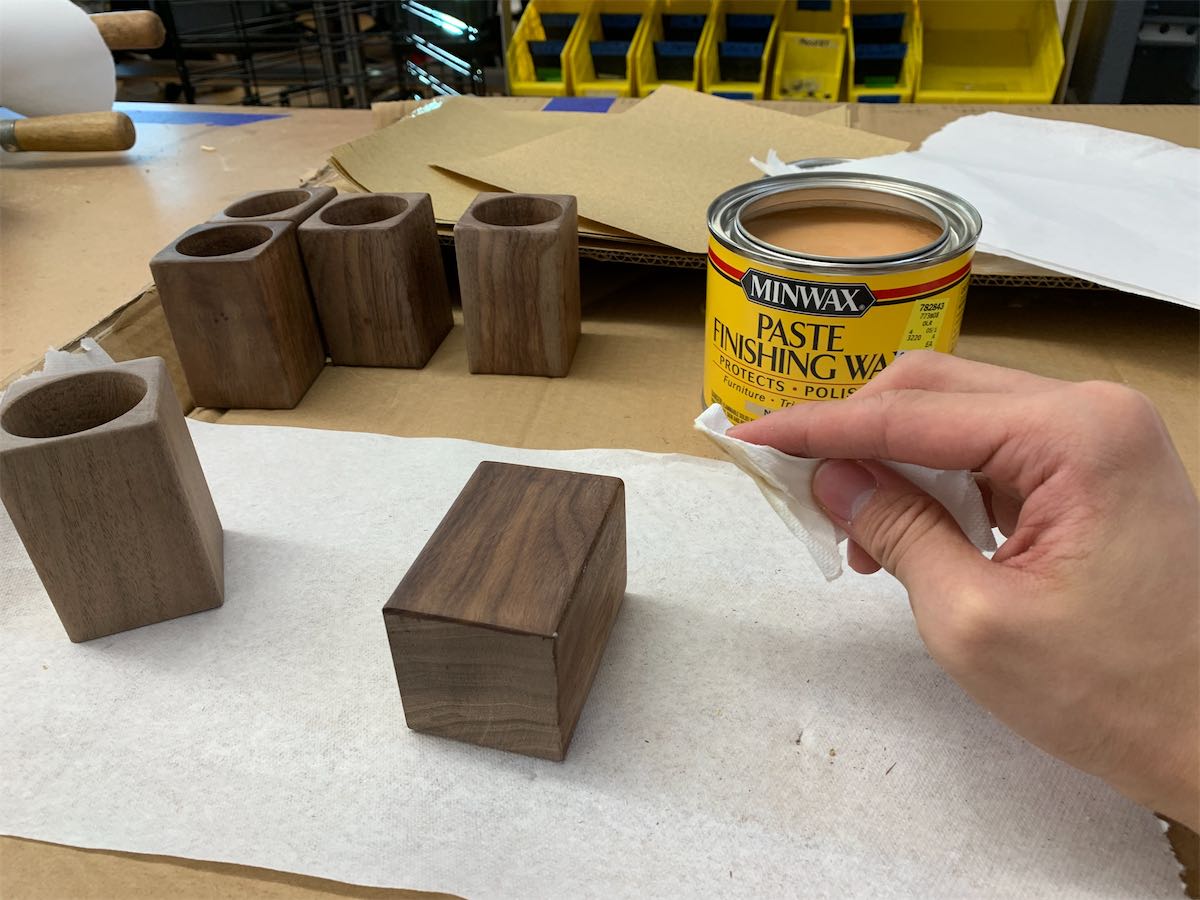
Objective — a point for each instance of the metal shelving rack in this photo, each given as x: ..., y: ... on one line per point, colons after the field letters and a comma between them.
x: 339, y: 53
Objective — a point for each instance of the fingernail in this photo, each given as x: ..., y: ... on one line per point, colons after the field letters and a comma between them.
x: 843, y: 487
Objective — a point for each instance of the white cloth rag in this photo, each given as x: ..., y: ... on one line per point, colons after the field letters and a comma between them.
x: 786, y: 482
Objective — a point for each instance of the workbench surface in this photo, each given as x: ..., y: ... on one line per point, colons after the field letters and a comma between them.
x: 79, y: 231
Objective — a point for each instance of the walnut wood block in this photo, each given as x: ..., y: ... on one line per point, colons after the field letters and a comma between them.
x: 101, y: 479
x: 518, y: 269
x: 498, y: 627
x: 292, y: 205
x: 375, y: 268
x: 237, y: 303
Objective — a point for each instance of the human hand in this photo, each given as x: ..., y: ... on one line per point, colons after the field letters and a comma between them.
x: 1082, y: 633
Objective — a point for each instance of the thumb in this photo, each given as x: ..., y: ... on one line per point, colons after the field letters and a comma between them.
x: 897, y: 524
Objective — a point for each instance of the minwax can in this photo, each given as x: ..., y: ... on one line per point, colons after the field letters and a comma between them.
x: 788, y: 324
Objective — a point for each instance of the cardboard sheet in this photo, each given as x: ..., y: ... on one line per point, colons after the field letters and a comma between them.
x: 400, y: 157
x: 645, y: 171
x: 752, y: 731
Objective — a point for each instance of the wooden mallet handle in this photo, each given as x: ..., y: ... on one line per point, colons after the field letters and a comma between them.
x: 137, y: 30
x: 75, y: 132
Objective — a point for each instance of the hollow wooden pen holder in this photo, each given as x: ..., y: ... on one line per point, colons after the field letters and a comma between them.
x: 518, y: 269
x: 292, y: 205
x: 375, y: 268
x: 237, y: 303
x: 101, y: 479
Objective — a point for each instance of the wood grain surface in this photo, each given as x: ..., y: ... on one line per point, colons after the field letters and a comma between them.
x: 375, y: 267
x: 292, y: 205
x: 101, y: 479
x: 499, y: 625
x: 237, y: 303
x: 75, y: 132
x: 518, y: 271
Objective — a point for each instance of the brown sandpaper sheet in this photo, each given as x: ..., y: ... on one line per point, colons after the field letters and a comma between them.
x: 400, y: 157
x: 648, y: 172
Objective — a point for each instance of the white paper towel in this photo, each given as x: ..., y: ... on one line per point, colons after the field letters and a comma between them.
x: 1116, y: 208
x: 786, y: 482
x: 53, y: 59
x: 737, y: 741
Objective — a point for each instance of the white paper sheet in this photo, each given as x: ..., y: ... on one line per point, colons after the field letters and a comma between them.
x: 752, y: 730
x: 1116, y: 208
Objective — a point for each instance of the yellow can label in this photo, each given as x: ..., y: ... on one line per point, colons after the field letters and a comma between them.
x: 776, y: 337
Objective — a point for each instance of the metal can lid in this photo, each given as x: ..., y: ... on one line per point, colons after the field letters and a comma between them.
x: 958, y: 221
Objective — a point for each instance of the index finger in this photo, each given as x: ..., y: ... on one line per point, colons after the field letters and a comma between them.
x: 931, y: 370
x: 928, y: 428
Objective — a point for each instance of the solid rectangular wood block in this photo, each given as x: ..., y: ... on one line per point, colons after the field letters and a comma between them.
x: 375, y: 267
x: 236, y: 300
x: 292, y: 205
x: 101, y: 479
x: 518, y: 271
x: 498, y: 627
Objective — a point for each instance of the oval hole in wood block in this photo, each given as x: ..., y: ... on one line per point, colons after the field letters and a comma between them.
x: 363, y: 210
x: 267, y: 204
x: 291, y: 205
x: 72, y: 405
x: 517, y: 212
x: 223, y: 241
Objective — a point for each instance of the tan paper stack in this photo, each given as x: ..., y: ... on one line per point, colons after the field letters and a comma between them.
x: 643, y: 177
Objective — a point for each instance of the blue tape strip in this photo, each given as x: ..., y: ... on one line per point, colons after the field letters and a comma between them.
x: 734, y: 95
x: 177, y: 116
x: 579, y: 104
x: 879, y: 98
x: 195, y: 117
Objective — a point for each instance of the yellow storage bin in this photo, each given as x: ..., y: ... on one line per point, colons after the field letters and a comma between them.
x: 532, y: 73
x: 884, y: 49
x: 737, y: 57
x: 989, y: 51
x: 810, y: 51
x: 604, y: 57
x: 673, y: 29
